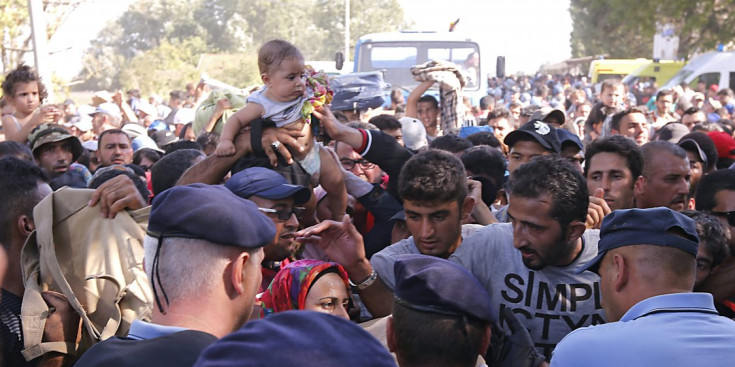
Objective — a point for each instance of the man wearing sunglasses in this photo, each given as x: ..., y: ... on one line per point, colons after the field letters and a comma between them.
x: 279, y: 201
x: 716, y: 195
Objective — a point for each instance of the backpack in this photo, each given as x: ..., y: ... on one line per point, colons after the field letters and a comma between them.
x: 97, y: 263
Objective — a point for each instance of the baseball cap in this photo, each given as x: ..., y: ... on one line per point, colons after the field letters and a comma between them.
x: 107, y: 108
x: 547, y: 113
x: 414, y: 133
x: 134, y: 130
x: 691, y: 145
x: 81, y: 122
x: 698, y: 96
x: 466, y: 131
x: 706, y: 144
x: 211, y: 213
x: 540, y: 131
x: 672, y: 132
x: 147, y: 108
x: 51, y: 133
x: 653, y: 226
x: 164, y: 137
x: 724, y: 143
x: 144, y: 141
x: 309, y: 338
x: 266, y: 183
x: 566, y: 137
x: 91, y: 145
x: 430, y: 284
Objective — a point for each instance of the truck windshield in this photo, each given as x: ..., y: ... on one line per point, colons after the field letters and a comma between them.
x: 396, y: 58
x: 678, y: 78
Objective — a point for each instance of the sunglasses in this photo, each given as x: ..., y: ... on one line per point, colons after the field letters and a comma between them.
x: 285, y: 214
x: 348, y: 164
x: 729, y: 215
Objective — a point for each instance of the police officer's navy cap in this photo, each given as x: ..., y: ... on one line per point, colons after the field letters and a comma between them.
x: 297, y: 338
x: 266, y: 183
x: 655, y: 226
x: 431, y: 284
x: 567, y: 137
x: 540, y: 131
x: 210, y: 213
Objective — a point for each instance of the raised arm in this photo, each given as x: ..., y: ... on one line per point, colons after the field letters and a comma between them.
x: 412, y: 102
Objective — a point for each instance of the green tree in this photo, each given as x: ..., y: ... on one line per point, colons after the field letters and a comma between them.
x: 15, y: 23
x: 151, y: 28
x: 625, y: 28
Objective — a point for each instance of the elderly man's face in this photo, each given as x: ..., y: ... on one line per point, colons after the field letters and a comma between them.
x: 354, y: 163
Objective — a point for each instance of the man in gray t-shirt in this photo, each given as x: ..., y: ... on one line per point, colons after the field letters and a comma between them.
x: 528, y: 264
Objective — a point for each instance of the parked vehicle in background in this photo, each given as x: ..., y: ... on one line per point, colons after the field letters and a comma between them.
x: 658, y: 72
x: 614, y: 68
x: 396, y: 52
x: 711, y: 68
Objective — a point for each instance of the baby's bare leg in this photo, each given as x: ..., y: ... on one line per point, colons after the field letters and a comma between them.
x: 333, y: 182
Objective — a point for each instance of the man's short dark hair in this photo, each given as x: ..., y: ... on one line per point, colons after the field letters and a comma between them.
x: 166, y: 172
x: 652, y: 150
x: 177, y: 94
x: 14, y: 149
x: 433, y: 177
x: 618, y: 144
x: 385, y: 122
x: 664, y: 93
x: 206, y: 139
x: 108, y: 174
x: 500, y: 112
x: 18, y: 183
x: 558, y: 178
x: 430, y: 99
x: 181, y: 145
x: 486, y: 102
x: 424, y: 338
x: 726, y: 92
x: 690, y: 111
x: 484, y: 138
x: 451, y: 143
x: 615, y: 122
x: 710, y: 185
x: 712, y: 235
x: 488, y: 163
x: 113, y: 131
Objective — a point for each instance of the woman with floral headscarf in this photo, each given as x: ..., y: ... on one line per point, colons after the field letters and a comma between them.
x: 313, y: 285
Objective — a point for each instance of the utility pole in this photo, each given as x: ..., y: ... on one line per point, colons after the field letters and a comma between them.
x: 347, y: 30
x: 40, y: 49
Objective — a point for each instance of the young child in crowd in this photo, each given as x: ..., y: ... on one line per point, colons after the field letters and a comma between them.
x: 23, y: 90
x: 291, y: 93
x: 612, y: 96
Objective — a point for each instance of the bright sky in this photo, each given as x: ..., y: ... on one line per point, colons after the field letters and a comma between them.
x: 528, y: 33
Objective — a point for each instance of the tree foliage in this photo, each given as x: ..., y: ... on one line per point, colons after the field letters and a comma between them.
x: 625, y: 28
x: 143, y: 42
x: 15, y: 23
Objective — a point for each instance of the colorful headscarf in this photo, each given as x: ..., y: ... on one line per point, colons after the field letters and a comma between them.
x: 289, y: 288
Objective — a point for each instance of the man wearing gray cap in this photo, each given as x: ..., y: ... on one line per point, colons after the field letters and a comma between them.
x: 202, y: 256
x: 646, y: 262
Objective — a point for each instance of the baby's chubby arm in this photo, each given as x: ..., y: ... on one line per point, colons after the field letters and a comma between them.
x: 234, y: 124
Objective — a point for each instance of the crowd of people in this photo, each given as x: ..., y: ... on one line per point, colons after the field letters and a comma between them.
x: 555, y: 222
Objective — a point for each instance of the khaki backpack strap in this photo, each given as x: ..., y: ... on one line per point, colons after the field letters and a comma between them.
x: 45, y: 237
x: 35, y: 311
x: 114, y: 322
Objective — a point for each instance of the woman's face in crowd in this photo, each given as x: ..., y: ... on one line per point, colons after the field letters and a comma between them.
x: 328, y: 295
